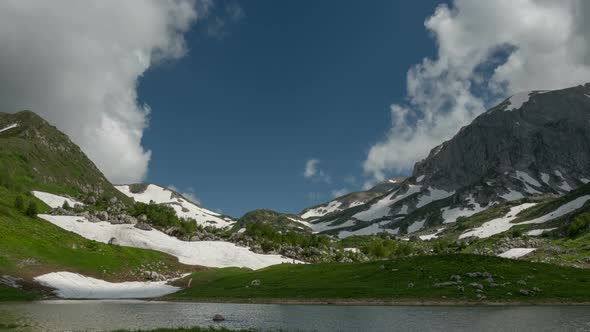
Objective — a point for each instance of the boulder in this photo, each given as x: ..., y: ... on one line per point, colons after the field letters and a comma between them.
x: 102, y: 215
x: 218, y: 318
x: 256, y: 282
x: 143, y: 226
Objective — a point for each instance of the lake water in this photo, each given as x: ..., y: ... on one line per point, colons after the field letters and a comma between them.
x: 110, y: 315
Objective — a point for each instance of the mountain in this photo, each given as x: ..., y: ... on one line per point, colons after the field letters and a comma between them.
x: 532, y: 144
x: 184, y: 208
x: 35, y: 155
x: 350, y: 200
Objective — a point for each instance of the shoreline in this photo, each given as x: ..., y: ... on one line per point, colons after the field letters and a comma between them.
x: 380, y: 302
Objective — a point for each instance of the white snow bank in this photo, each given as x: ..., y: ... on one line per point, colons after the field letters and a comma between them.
x: 381, y: 208
x: 14, y: 125
x: 431, y: 236
x: 183, y: 208
x: 561, y: 211
x: 518, y: 100
x: 75, y: 286
x: 205, y: 253
x: 512, y: 195
x: 433, y: 195
x: 498, y: 225
x: 369, y: 230
x: 326, y: 226
x: 517, y: 252
x: 323, y: 210
x: 528, y: 182
x: 416, y: 226
x: 53, y: 200
x: 503, y: 224
x: 450, y: 215
x: 537, y: 232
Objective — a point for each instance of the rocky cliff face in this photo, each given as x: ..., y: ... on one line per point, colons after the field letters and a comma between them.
x: 545, y: 135
x: 533, y: 143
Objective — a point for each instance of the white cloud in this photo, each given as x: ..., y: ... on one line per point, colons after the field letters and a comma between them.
x: 311, y: 168
x: 546, y: 45
x: 77, y: 64
x: 340, y: 192
x: 313, y: 172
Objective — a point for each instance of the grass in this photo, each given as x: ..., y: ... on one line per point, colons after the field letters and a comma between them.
x: 189, y: 329
x: 389, y: 280
x: 8, y: 294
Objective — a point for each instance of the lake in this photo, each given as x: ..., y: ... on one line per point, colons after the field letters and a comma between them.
x: 109, y: 315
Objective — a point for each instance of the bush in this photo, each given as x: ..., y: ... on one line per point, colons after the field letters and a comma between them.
x: 517, y: 233
x: 31, y: 209
x: 19, y: 203
x: 66, y: 205
x: 579, y: 225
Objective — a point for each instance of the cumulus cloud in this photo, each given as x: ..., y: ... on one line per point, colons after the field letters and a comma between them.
x: 313, y: 172
x: 77, y: 64
x: 487, y: 50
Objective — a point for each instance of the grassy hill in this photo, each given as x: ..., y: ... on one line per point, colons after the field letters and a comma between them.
x: 37, y: 156
x: 399, y: 280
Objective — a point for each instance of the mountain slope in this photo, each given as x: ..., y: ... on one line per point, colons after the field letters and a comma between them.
x: 350, y: 200
x: 532, y: 144
x: 37, y: 156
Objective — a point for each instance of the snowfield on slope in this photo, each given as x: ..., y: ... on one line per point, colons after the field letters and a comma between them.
x: 75, y: 286
x: 381, y: 208
x: 517, y: 252
x: 498, y: 225
x: 54, y: 201
x: 503, y: 224
x: 204, y: 253
x: 183, y: 207
x: 369, y: 230
x: 323, y: 210
x: 14, y: 125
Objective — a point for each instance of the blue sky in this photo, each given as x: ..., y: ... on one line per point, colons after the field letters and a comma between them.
x: 236, y: 119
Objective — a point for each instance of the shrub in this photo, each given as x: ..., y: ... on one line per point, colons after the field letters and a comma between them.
x: 579, y: 225
x: 19, y: 203
x: 31, y: 209
x: 517, y: 233
x: 66, y: 205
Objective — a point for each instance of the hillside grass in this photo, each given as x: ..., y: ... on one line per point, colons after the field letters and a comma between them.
x: 389, y: 281
x: 30, y: 246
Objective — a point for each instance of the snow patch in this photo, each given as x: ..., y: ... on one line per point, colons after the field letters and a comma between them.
x: 381, y: 208
x: 326, y: 226
x: 431, y: 236
x: 545, y: 177
x: 561, y: 211
x: 420, y: 178
x: 369, y: 230
x: 517, y: 252
x: 183, y: 208
x: 205, y: 253
x: 416, y: 226
x: 518, y: 100
x: 537, y: 232
x: 54, y: 201
x: 498, y: 225
x: 512, y: 195
x: 75, y: 286
x: 450, y: 215
x: 433, y: 195
x: 564, y: 185
x: 321, y: 211
x: 528, y: 181
x: 14, y: 125
x: 584, y: 180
